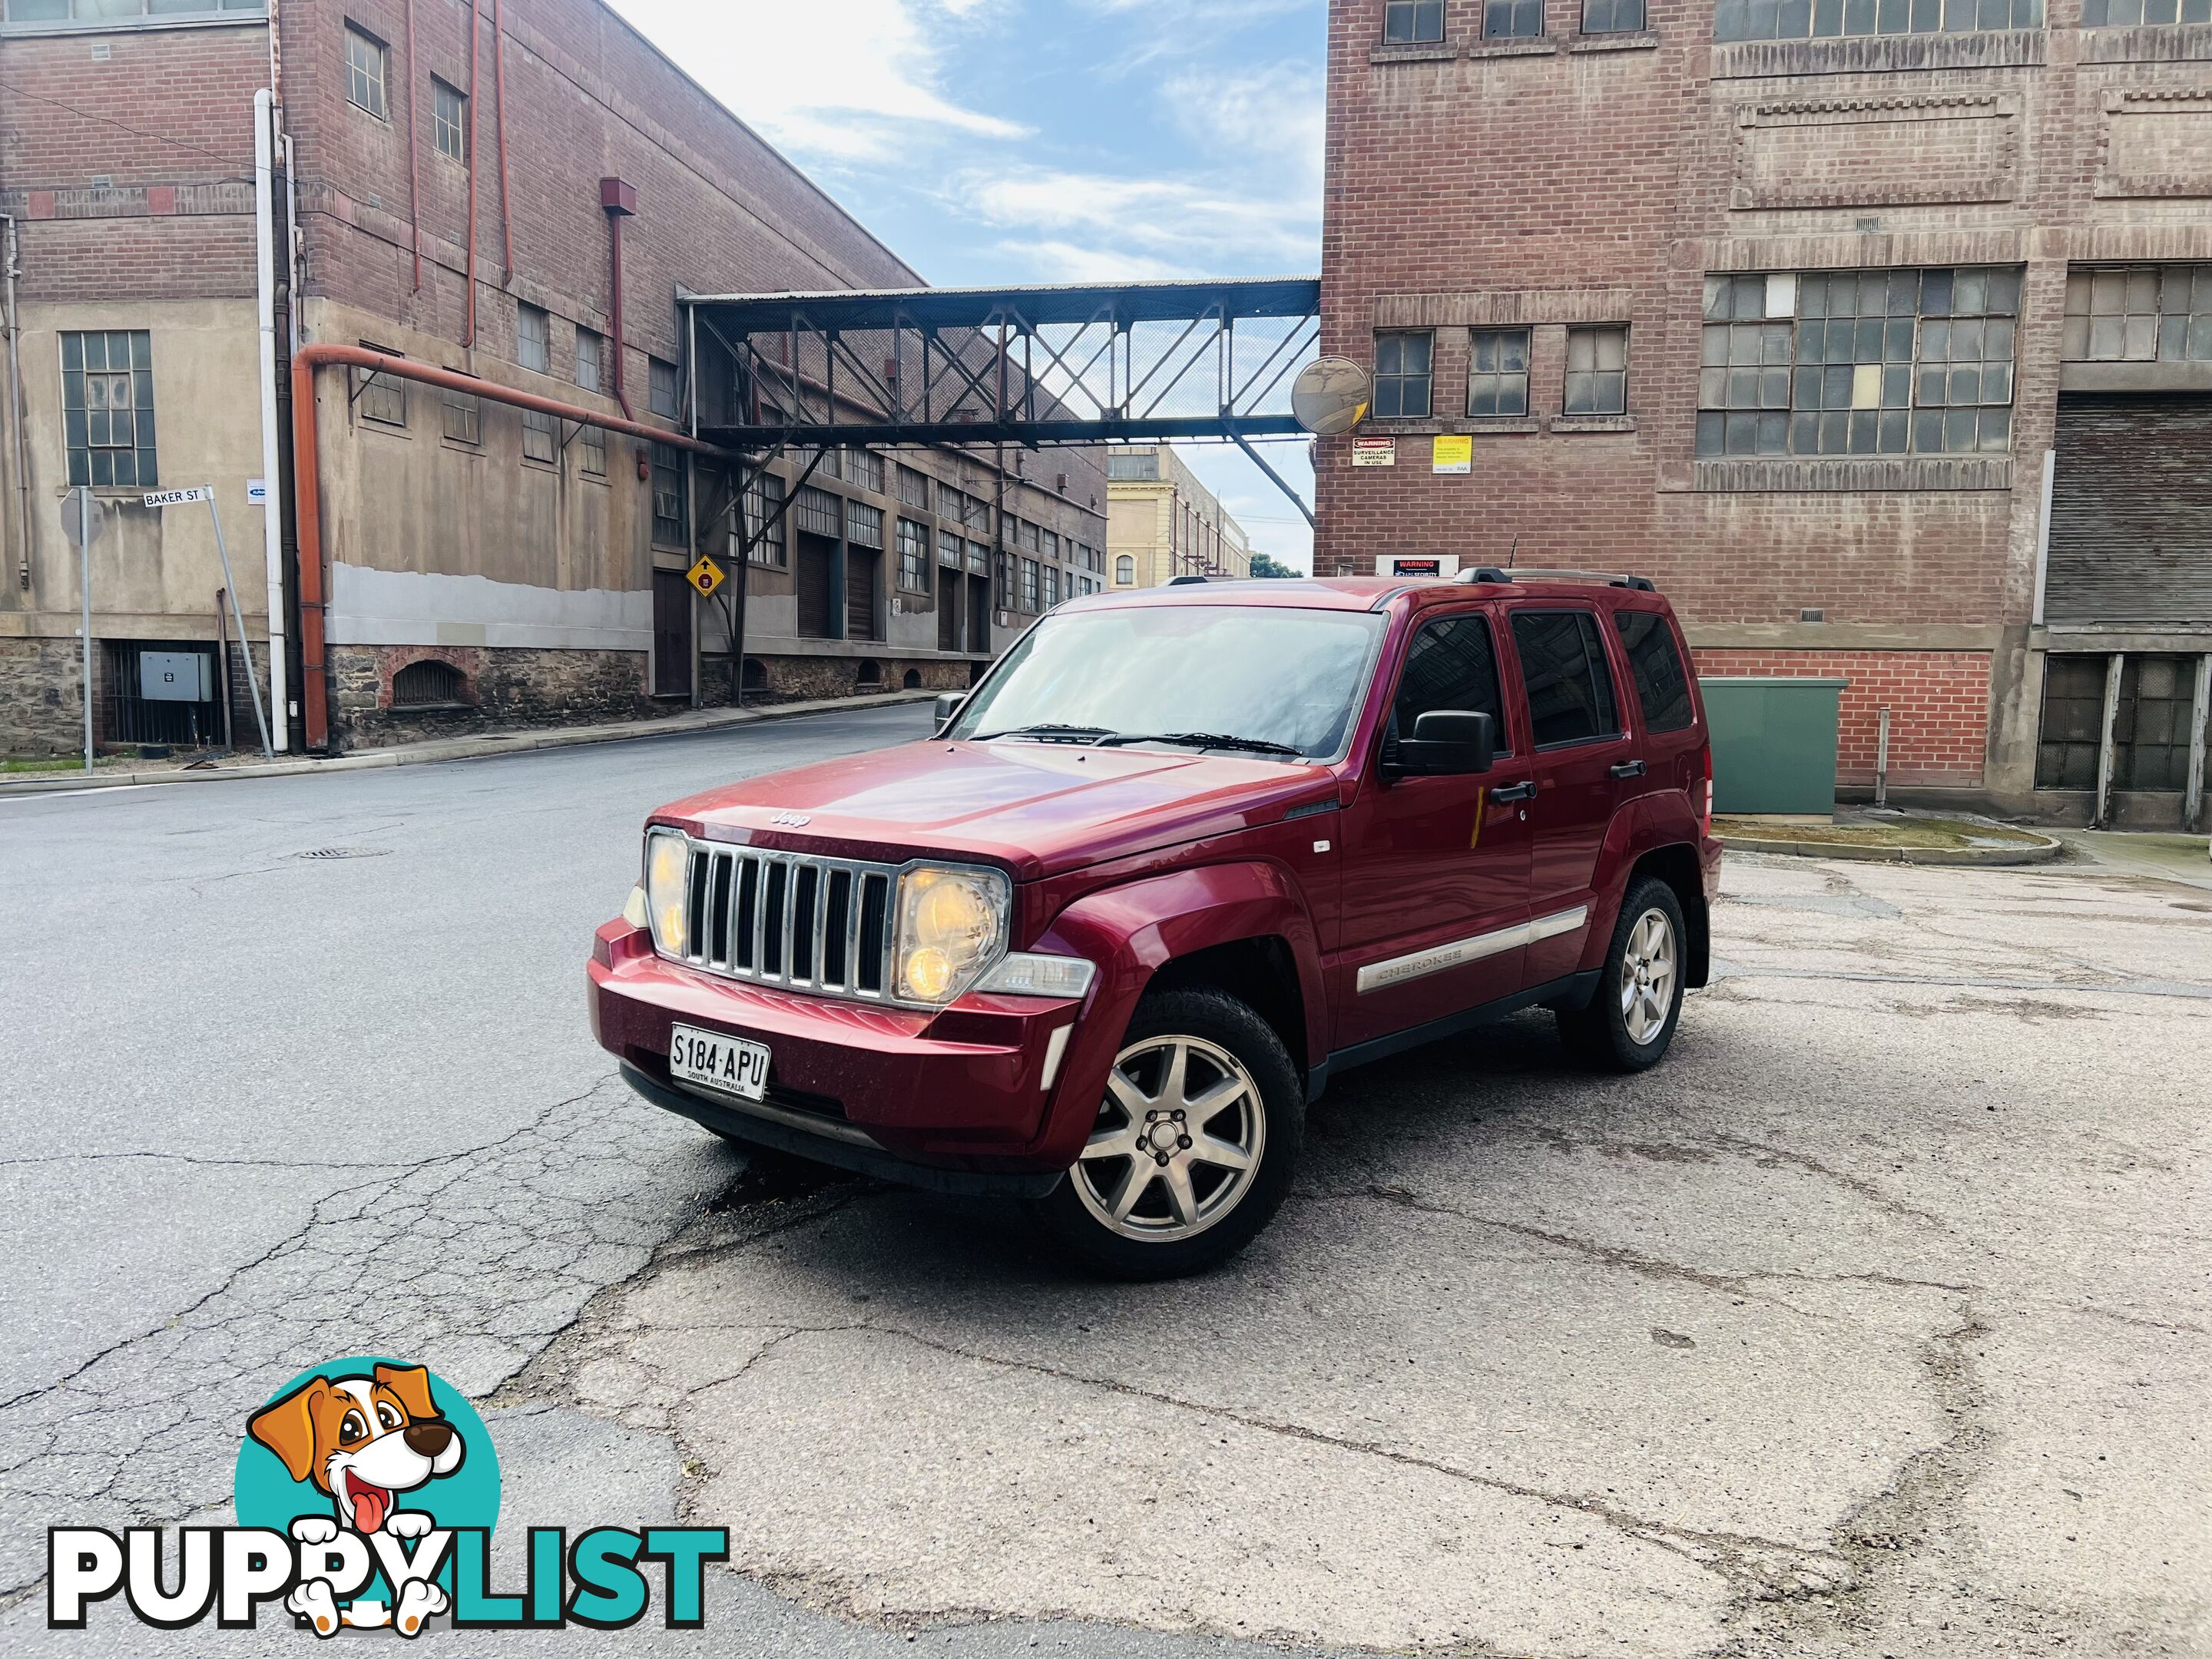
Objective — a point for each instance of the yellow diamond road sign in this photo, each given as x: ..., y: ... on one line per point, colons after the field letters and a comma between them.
x: 706, y: 576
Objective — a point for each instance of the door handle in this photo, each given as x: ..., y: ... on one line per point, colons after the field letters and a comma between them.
x: 1507, y: 795
x: 1629, y: 770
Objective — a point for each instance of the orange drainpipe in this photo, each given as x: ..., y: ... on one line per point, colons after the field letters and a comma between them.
x: 476, y: 44
x: 414, y: 181
x: 307, y: 481
x: 499, y: 121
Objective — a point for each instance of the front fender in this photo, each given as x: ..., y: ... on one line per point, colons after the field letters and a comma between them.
x: 1133, y: 931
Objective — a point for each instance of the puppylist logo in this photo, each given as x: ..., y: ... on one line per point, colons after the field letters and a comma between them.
x: 365, y: 1494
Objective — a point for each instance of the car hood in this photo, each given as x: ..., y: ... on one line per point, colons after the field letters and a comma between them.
x: 1035, y: 808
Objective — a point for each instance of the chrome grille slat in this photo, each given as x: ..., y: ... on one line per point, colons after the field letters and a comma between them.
x: 789, y: 919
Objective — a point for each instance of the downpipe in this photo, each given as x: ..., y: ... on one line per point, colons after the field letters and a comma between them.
x: 273, y: 527
x: 10, y: 263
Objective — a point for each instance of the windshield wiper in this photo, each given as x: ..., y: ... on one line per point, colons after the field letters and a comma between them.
x: 1203, y: 740
x: 1050, y: 733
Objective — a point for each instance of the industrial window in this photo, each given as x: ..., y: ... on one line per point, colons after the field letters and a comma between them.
x: 865, y: 468
x: 1498, y: 372
x: 366, y: 61
x: 2150, y: 735
x: 2140, y: 314
x: 671, y: 518
x: 591, y: 361
x: 2073, y: 722
x: 1597, y: 371
x: 1858, y: 362
x: 914, y: 556
x: 2120, y: 13
x: 819, y: 513
x: 764, y: 525
x: 2150, y: 724
x: 1405, y: 21
x: 1569, y: 687
x: 1048, y: 545
x: 1003, y: 583
x: 449, y: 120
x: 592, y: 444
x: 1402, y: 366
x: 383, y: 396
x: 951, y: 551
x: 979, y: 559
x: 1125, y: 570
x: 1031, y: 585
x: 1662, y: 688
x: 1140, y: 466
x: 541, y: 440
x: 1612, y: 17
x: 430, y: 684
x: 864, y: 525
x: 914, y: 489
x: 104, y: 11
x: 464, y: 418
x: 1505, y: 19
x: 1025, y: 536
x: 1815, y: 20
x: 666, y: 389
x: 533, y: 337
x: 1051, y: 585
x: 107, y: 407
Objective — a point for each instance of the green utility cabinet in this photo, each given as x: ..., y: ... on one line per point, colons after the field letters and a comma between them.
x: 1774, y: 744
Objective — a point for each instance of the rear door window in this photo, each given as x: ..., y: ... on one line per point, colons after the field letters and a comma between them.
x: 1453, y: 664
x: 1662, y: 687
x: 1570, y: 696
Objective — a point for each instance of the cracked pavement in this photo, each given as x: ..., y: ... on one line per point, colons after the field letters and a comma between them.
x: 1874, y: 1323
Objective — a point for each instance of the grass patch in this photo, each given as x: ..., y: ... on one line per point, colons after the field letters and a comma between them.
x: 74, y: 763
x: 1905, y: 833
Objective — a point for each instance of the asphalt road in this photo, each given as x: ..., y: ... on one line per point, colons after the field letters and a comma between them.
x: 1874, y: 1323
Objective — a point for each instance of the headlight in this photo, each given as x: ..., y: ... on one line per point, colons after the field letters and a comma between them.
x: 667, y: 871
x: 951, y: 924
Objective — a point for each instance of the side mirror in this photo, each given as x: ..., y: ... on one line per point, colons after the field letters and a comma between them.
x: 1449, y: 742
x: 949, y: 706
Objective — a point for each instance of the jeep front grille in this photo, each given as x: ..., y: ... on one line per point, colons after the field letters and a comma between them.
x: 784, y: 919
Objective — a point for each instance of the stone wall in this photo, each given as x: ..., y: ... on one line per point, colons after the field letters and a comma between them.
x: 42, y: 697
x: 805, y: 679
x: 500, y: 689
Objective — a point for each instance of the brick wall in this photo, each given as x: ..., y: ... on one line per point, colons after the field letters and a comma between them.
x: 166, y: 119
x: 1939, y: 704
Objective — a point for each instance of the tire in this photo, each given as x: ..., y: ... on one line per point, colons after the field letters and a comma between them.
x: 1629, y: 1023
x: 1193, y: 1206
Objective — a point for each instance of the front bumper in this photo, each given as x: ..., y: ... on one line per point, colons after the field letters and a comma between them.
x: 956, y: 1099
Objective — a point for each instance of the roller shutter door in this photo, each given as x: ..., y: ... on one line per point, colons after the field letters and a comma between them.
x: 2131, y: 511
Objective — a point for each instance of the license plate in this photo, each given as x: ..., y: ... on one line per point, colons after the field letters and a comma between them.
x: 730, y: 1064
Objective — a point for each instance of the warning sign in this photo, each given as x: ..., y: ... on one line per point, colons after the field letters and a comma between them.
x: 1455, y: 454
x: 1375, y: 451
x: 706, y: 576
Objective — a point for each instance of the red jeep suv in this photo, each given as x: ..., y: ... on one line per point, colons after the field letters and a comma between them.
x: 1183, y: 857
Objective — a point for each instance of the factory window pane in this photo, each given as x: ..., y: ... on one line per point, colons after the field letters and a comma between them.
x: 1597, y: 371
x: 1403, y: 367
x: 591, y: 361
x: 463, y: 416
x: 1612, y: 17
x: 1498, y: 372
x: 366, y: 59
x: 1827, y: 20
x: 1506, y: 19
x: 107, y: 408
x: 541, y: 438
x: 449, y: 120
x: 667, y: 390
x: 671, y: 516
x: 2139, y: 313
x: 533, y: 337
x: 1405, y: 21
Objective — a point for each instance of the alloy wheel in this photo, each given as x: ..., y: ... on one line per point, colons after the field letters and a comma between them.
x: 1648, y: 970
x: 1177, y: 1143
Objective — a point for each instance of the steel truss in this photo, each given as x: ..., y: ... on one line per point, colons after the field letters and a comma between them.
x: 1076, y: 365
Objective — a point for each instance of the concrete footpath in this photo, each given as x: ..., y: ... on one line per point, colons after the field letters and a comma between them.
x: 451, y: 749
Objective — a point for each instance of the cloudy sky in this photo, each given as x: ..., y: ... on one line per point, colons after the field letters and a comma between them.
x: 1047, y: 140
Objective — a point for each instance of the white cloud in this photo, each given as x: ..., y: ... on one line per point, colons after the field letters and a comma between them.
x: 1186, y: 224
x: 848, y: 81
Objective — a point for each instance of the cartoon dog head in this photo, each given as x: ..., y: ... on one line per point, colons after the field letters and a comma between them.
x: 361, y: 1440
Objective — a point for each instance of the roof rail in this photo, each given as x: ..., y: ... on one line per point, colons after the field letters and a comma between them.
x: 1186, y: 582
x: 1487, y: 573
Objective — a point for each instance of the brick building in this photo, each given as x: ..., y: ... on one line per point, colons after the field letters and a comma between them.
x: 1878, y: 331
x: 1163, y: 523
x: 438, y: 190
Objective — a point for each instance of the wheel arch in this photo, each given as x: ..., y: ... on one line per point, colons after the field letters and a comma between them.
x: 1678, y: 866
x: 1244, y: 927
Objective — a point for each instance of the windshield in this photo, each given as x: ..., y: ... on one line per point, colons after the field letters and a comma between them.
x: 1255, y: 673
